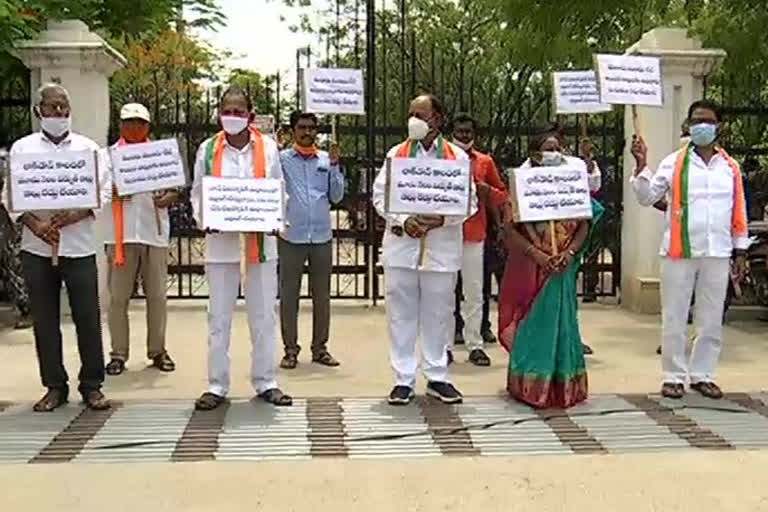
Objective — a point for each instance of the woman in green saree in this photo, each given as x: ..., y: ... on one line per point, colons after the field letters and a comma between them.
x: 537, y: 304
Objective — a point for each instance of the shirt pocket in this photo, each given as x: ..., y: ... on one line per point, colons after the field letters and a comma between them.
x: 318, y: 182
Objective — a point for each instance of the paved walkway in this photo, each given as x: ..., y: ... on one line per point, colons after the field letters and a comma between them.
x: 170, y: 430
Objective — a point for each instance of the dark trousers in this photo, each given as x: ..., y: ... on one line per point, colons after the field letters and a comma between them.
x: 44, y: 282
x: 292, y: 259
x: 491, y: 268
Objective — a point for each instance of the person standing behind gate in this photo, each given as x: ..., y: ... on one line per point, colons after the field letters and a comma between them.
x: 491, y: 193
x: 239, y: 151
x: 421, y: 257
x: 697, y: 247
x: 137, y: 234
x: 71, y: 231
x: 313, y: 182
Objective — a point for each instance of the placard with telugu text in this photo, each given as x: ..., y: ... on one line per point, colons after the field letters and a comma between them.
x: 550, y: 193
x: 147, y: 167
x: 243, y: 205
x: 428, y: 186
x: 629, y: 80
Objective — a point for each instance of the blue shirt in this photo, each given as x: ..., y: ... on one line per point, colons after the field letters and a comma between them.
x: 312, y: 184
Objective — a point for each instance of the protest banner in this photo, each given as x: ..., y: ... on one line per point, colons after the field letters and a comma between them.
x: 243, y: 205
x: 547, y: 194
x: 333, y: 91
x: 147, y: 167
x: 46, y: 183
x: 630, y: 80
x: 264, y: 123
x: 62, y: 180
x: 428, y: 186
x: 576, y: 92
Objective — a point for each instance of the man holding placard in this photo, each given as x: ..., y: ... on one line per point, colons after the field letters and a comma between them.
x: 422, y: 248
x: 53, y: 189
x: 491, y: 193
x: 232, y: 195
x: 314, y: 182
x: 137, y: 232
x: 697, y: 247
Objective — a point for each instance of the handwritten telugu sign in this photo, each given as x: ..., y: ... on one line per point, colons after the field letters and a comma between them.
x: 333, y: 91
x: 550, y: 193
x: 576, y: 92
x: 629, y: 80
x: 426, y: 186
x: 243, y: 205
x: 147, y: 167
x: 64, y: 180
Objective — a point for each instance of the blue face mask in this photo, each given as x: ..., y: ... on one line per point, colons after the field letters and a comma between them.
x: 703, y: 134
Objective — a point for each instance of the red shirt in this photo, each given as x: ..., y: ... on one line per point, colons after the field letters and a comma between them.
x: 485, y: 171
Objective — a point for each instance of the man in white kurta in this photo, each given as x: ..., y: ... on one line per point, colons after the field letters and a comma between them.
x: 420, y: 288
x: 697, y: 257
x: 137, y: 233
x: 223, y: 254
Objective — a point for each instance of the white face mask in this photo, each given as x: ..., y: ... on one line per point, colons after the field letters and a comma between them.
x: 466, y: 146
x: 551, y: 158
x: 56, y: 126
x: 233, y: 124
x: 417, y: 129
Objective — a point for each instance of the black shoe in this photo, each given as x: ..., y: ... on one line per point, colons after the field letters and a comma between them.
x: 488, y: 337
x: 658, y: 350
x: 478, y: 357
x: 401, y: 395
x: 458, y: 338
x: 586, y: 349
x: 445, y: 392
x: 450, y: 358
x: 589, y: 299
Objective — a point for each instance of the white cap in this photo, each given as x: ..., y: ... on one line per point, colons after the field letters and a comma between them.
x: 134, y: 111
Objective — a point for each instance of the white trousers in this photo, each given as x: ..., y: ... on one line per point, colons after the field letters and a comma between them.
x: 419, y: 301
x: 261, y: 303
x: 472, y: 289
x: 709, y: 276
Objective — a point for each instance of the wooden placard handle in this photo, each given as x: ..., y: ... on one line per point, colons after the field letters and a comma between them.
x: 553, y: 240
x: 636, y: 120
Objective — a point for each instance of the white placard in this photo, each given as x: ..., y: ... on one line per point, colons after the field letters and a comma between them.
x: 550, y: 193
x: 264, y: 123
x: 61, y: 180
x: 333, y: 91
x: 243, y: 205
x: 576, y: 92
x: 629, y: 80
x: 427, y: 186
x: 147, y: 167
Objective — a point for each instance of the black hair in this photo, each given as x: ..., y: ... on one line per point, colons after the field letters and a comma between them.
x: 462, y: 118
x: 541, y: 133
x: 706, y: 104
x: 297, y: 115
x: 437, y: 106
x: 236, y: 91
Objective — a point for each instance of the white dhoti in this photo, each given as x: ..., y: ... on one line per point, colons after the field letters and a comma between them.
x: 261, y: 304
x: 709, y: 277
x: 472, y: 289
x: 418, y: 300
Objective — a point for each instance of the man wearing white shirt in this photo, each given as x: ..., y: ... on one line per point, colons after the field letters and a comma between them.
x: 239, y: 151
x: 421, y: 257
x: 71, y: 233
x: 137, y: 234
x: 697, y: 247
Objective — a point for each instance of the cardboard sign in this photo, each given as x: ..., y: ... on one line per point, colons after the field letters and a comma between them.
x: 428, y: 186
x: 61, y: 180
x: 550, y: 193
x: 147, y: 167
x: 629, y: 80
x: 333, y: 91
x: 576, y: 92
x: 243, y: 205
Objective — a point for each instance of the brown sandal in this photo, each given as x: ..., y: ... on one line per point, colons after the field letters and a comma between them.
x: 276, y: 397
x: 96, y: 401
x: 708, y: 389
x: 672, y: 390
x: 289, y: 362
x: 52, y: 400
x: 209, y: 401
x: 325, y: 359
x: 163, y: 362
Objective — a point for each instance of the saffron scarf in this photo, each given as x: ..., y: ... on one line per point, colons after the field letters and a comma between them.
x: 680, y: 240
x: 118, y: 217
x: 214, y: 152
